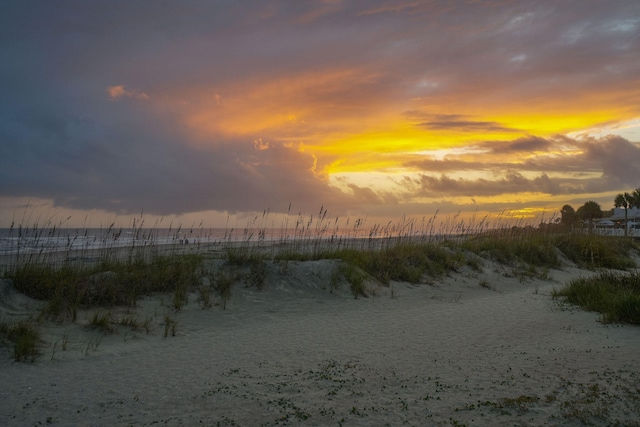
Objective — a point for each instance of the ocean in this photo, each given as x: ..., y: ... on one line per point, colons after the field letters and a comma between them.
x: 23, y: 240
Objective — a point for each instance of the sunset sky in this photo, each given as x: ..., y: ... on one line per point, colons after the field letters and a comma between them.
x: 200, y: 110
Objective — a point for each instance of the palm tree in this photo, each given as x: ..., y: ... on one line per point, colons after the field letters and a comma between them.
x: 589, y: 211
x: 624, y: 201
x: 634, y: 199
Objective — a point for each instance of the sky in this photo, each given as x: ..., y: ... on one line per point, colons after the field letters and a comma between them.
x: 197, y: 111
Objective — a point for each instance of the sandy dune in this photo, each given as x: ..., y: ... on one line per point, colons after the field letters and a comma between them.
x: 451, y: 352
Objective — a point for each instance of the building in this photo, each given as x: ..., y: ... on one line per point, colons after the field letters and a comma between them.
x: 633, y: 218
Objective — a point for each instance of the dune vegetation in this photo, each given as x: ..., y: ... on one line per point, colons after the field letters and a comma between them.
x: 116, y: 276
x: 616, y: 296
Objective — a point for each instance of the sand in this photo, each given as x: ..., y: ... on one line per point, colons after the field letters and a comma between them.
x: 473, y: 348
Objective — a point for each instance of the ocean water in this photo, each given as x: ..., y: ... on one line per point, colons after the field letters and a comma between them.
x: 40, y: 240
x: 34, y: 240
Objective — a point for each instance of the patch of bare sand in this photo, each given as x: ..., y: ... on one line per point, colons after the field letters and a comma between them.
x: 474, y: 348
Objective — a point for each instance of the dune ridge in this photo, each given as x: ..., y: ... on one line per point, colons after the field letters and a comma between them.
x: 471, y: 348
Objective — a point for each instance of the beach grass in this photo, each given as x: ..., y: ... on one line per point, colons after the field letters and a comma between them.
x: 102, y: 322
x: 406, y: 251
x: 356, y: 278
x: 224, y: 282
x: 403, y: 251
x: 108, y: 283
x: 24, y: 337
x: 170, y: 325
x: 595, y: 251
x: 616, y: 295
x: 515, y: 246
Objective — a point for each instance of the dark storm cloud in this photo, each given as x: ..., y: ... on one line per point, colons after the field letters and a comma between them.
x: 141, y: 163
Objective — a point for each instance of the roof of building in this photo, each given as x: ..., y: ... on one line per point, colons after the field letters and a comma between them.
x: 618, y: 214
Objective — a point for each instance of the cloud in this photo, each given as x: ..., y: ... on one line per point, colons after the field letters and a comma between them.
x: 146, y: 163
x: 511, y: 183
x: 618, y: 159
x: 245, y: 102
x: 553, y: 166
x: 462, y: 123
x: 259, y: 144
x: 529, y: 144
x: 119, y: 91
x: 448, y: 165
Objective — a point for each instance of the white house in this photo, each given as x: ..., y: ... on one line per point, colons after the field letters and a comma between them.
x: 633, y: 217
x: 618, y: 214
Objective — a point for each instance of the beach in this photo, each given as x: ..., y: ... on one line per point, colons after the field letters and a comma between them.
x: 471, y: 348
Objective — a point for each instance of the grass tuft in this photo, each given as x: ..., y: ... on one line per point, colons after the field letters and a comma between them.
x: 613, y: 294
x: 356, y: 277
x: 25, y: 337
x: 102, y: 322
x: 170, y: 326
x: 223, y: 284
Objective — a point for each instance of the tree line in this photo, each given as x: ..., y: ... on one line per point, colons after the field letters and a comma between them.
x: 591, y: 210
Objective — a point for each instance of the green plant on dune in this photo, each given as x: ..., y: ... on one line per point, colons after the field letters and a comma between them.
x: 257, y: 272
x: 510, y: 247
x: 615, y: 295
x: 223, y: 284
x: 102, y: 322
x: 66, y: 288
x: 25, y: 337
x: 129, y: 320
x: 404, y: 262
x: 170, y: 326
x: 356, y: 277
x: 594, y: 251
x: 404, y: 251
x: 204, y: 295
x: 334, y: 279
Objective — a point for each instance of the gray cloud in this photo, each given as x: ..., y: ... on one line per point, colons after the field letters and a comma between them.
x: 143, y: 164
x: 618, y: 158
x: 466, y: 126
x: 595, y: 165
x: 459, y: 123
x: 510, y: 183
x: 611, y: 155
x: 521, y: 145
x: 452, y: 165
